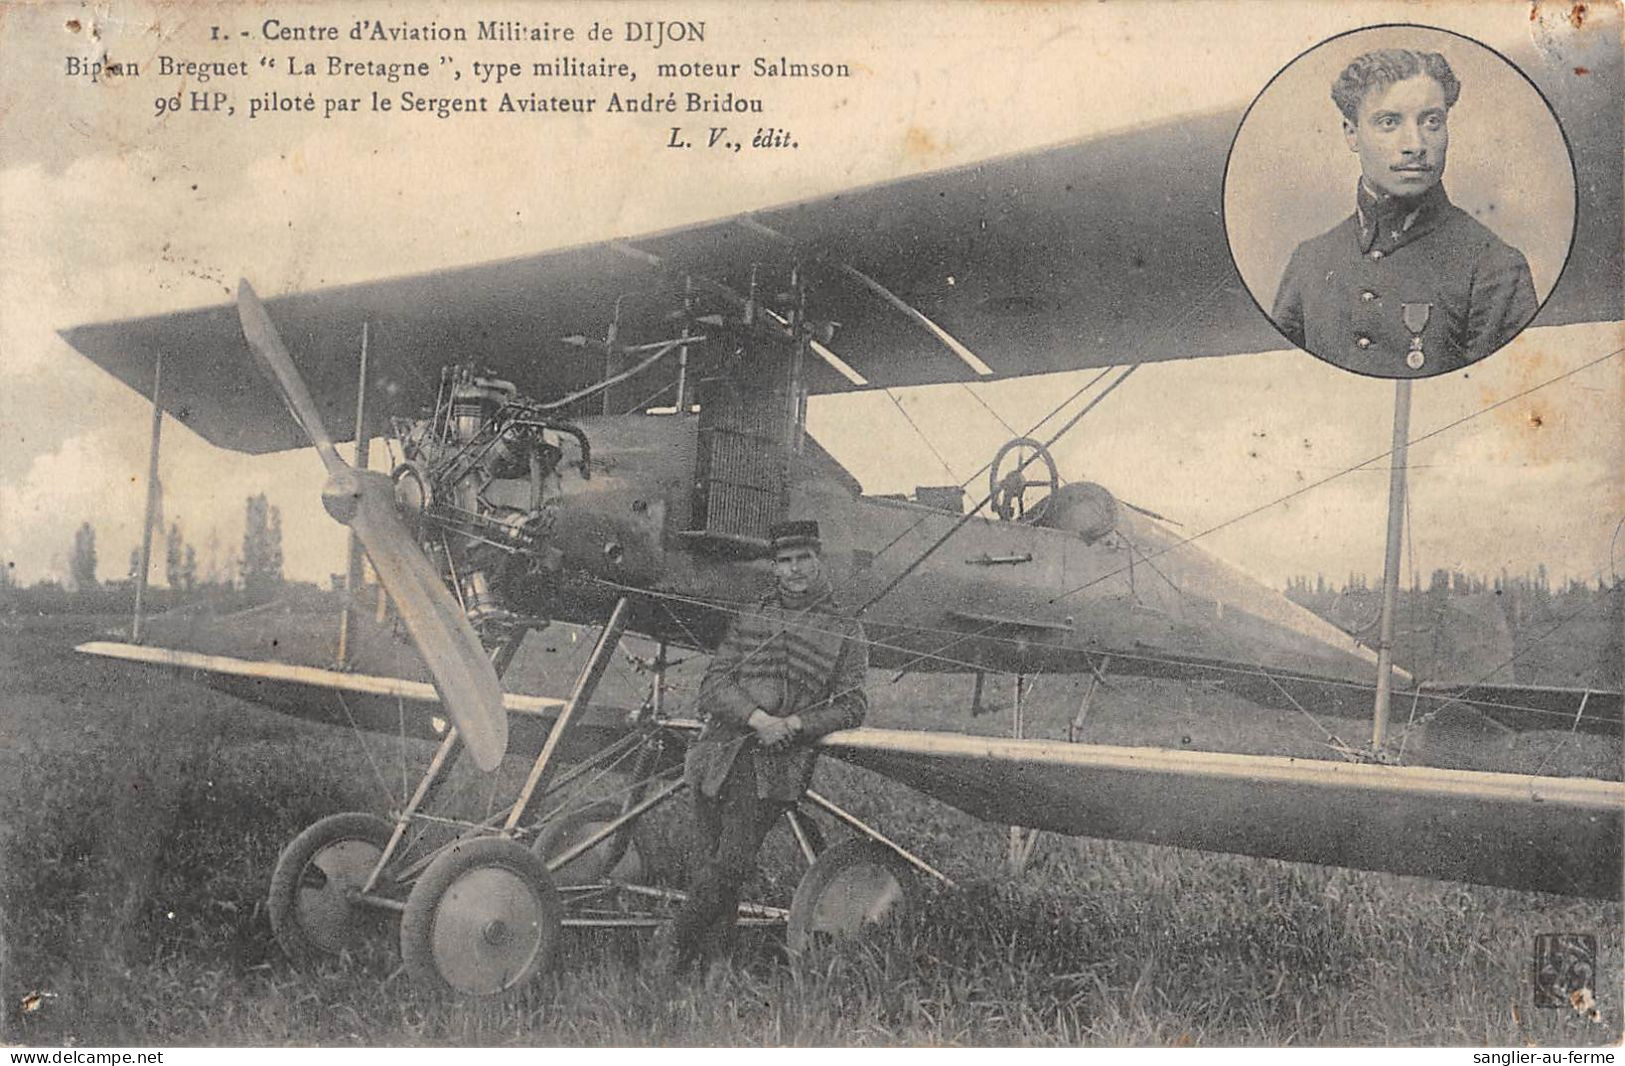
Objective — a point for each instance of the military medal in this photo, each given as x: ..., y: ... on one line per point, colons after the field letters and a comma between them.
x: 1416, y: 320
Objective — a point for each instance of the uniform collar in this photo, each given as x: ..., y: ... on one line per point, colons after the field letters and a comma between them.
x: 1388, y: 221
x: 819, y: 594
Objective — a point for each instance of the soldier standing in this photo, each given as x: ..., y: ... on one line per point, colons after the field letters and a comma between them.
x: 786, y: 674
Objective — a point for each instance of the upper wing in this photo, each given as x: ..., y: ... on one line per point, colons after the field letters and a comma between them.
x: 1549, y: 834
x: 1106, y: 251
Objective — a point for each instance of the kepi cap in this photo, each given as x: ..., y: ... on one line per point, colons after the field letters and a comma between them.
x: 802, y: 533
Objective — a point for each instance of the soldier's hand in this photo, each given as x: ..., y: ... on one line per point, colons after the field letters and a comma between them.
x: 771, y: 732
x: 792, y: 731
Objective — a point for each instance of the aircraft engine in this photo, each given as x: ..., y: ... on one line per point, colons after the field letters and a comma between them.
x: 480, y: 479
x: 1083, y: 507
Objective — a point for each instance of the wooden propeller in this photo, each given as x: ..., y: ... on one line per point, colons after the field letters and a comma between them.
x: 364, y: 500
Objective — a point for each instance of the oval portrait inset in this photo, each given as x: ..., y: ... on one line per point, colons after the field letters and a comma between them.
x: 1399, y: 201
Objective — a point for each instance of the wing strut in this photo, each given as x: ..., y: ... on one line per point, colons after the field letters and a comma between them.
x: 949, y: 341
x: 353, y: 572
x: 152, y: 497
x: 1390, y: 563
x: 836, y: 363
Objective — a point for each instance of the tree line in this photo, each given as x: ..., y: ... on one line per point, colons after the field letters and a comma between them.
x: 254, y: 571
x: 1538, y: 582
x: 1524, y: 628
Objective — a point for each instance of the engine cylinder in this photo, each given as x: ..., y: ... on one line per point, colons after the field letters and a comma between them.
x: 478, y: 599
x: 474, y: 402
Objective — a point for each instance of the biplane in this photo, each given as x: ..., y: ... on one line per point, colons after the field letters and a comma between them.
x: 602, y: 435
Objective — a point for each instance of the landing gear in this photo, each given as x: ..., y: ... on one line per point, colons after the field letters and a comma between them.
x: 483, y: 897
x: 312, y: 900
x: 854, y: 889
x: 1007, y: 489
x: 483, y: 919
x: 601, y: 861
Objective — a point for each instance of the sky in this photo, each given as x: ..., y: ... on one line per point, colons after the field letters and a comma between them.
x: 109, y: 209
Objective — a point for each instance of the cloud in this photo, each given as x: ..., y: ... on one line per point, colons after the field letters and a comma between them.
x: 100, y: 476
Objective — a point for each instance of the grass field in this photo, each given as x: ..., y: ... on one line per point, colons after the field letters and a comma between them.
x: 142, y: 816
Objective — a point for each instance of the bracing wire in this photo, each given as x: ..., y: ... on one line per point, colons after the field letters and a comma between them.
x: 984, y: 467
x: 1313, y: 485
x: 1215, y: 667
x: 970, y: 513
x: 958, y: 637
x: 920, y: 432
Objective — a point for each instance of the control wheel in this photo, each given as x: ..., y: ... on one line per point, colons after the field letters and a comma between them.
x: 1007, y: 489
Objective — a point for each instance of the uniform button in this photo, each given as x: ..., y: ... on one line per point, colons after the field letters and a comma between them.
x: 1363, y: 342
x: 1368, y: 296
x: 1376, y: 253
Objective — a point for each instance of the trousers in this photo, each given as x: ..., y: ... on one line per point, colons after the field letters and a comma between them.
x: 731, y: 827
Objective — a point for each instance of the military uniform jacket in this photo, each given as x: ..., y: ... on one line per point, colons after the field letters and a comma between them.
x: 807, y: 660
x: 1344, y: 294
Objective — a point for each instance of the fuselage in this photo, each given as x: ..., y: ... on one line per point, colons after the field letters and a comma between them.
x: 993, y: 595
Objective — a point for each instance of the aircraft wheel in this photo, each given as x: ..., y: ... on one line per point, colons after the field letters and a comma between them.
x: 564, y: 832
x: 483, y: 919
x: 311, y: 911
x: 855, y: 887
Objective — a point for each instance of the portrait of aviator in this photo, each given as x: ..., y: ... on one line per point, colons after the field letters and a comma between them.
x: 1408, y: 282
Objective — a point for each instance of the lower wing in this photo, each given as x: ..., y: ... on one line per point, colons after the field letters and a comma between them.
x: 1549, y: 834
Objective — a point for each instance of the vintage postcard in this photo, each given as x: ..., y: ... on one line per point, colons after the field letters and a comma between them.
x: 819, y: 523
